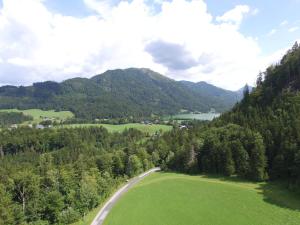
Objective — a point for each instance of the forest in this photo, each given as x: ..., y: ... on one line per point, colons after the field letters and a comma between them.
x: 56, y: 176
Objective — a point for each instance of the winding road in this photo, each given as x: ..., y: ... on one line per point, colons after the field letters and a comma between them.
x: 99, y: 219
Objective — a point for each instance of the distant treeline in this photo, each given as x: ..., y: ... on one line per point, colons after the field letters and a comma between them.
x: 9, y: 118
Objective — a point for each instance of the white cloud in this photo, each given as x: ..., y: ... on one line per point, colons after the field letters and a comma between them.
x: 235, y: 15
x: 284, y: 23
x: 272, y: 32
x: 102, y: 7
x: 293, y: 29
x: 37, y: 44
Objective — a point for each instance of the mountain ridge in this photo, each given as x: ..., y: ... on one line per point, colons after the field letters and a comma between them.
x: 119, y: 93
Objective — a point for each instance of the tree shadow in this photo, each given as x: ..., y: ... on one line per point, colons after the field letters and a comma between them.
x: 279, y: 195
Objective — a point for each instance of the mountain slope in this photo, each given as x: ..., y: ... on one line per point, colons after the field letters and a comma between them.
x: 218, y: 97
x: 273, y: 109
x: 119, y: 93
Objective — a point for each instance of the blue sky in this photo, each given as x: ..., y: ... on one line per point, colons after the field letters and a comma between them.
x: 223, y: 42
x: 271, y: 13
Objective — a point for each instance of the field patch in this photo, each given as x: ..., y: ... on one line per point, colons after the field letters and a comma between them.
x: 151, y: 129
x: 175, y: 199
x: 40, y: 115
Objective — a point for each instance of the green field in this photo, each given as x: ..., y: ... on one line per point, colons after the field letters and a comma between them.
x: 38, y: 114
x: 174, y: 199
x: 151, y: 129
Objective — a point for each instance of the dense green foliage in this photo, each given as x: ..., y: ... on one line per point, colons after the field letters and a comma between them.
x: 145, y: 128
x: 55, y: 176
x: 9, y: 118
x: 228, y: 150
x: 119, y: 94
x: 177, y: 199
x: 273, y: 110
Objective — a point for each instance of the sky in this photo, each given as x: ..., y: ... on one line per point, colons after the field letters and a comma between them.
x: 225, y: 43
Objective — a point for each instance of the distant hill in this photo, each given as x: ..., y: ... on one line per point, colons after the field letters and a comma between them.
x: 240, y: 92
x: 119, y: 93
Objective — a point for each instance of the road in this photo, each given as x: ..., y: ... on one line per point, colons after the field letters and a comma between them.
x: 99, y: 219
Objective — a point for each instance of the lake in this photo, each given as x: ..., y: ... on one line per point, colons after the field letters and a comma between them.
x: 198, y: 116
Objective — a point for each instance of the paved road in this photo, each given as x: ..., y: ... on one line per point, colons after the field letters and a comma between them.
x: 112, y: 201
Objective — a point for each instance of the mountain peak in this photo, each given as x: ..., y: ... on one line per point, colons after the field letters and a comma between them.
x: 131, y: 73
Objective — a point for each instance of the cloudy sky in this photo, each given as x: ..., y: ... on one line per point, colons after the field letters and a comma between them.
x: 225, y: 43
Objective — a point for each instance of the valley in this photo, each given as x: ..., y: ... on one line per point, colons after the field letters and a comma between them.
x: 240, y: 166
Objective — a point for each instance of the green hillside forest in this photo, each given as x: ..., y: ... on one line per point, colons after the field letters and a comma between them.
x: 119, y: 94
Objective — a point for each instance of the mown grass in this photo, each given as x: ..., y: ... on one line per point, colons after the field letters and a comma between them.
x: 176, y: 199
x: 39, y: 114
x: 151, y: 129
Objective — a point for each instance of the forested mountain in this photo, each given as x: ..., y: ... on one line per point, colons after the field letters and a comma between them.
x: 218, y: 97
x: 258, y: 139
x: 273, y: 110
x: 119, y: 93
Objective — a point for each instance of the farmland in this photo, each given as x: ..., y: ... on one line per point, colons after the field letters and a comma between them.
x: 38, y: 114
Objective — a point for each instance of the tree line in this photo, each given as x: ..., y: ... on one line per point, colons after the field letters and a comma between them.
x: 9, y: 118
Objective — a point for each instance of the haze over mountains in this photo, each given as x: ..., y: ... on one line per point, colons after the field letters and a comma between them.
x: 120, y: 93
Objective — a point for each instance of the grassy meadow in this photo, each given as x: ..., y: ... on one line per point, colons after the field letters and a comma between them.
x: 151, y: 129
x: 175, y: 199
x: 39, y: 114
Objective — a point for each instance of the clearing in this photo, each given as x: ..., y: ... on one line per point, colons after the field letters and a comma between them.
x: 151, y: 129
x: 39, y: 115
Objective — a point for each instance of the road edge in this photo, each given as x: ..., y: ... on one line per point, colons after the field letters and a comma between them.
x: 118, y: 193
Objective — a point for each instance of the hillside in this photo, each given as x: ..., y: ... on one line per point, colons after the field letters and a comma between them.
x: 259, y: 139
x: 119, y: 93
x: 273, y: 110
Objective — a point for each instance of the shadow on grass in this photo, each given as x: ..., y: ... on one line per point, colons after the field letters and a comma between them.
x: 278, y: 194
x: 275, y: 193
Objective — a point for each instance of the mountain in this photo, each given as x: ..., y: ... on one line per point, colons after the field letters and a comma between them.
x: 218, y: 97
x: 119, y: 93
